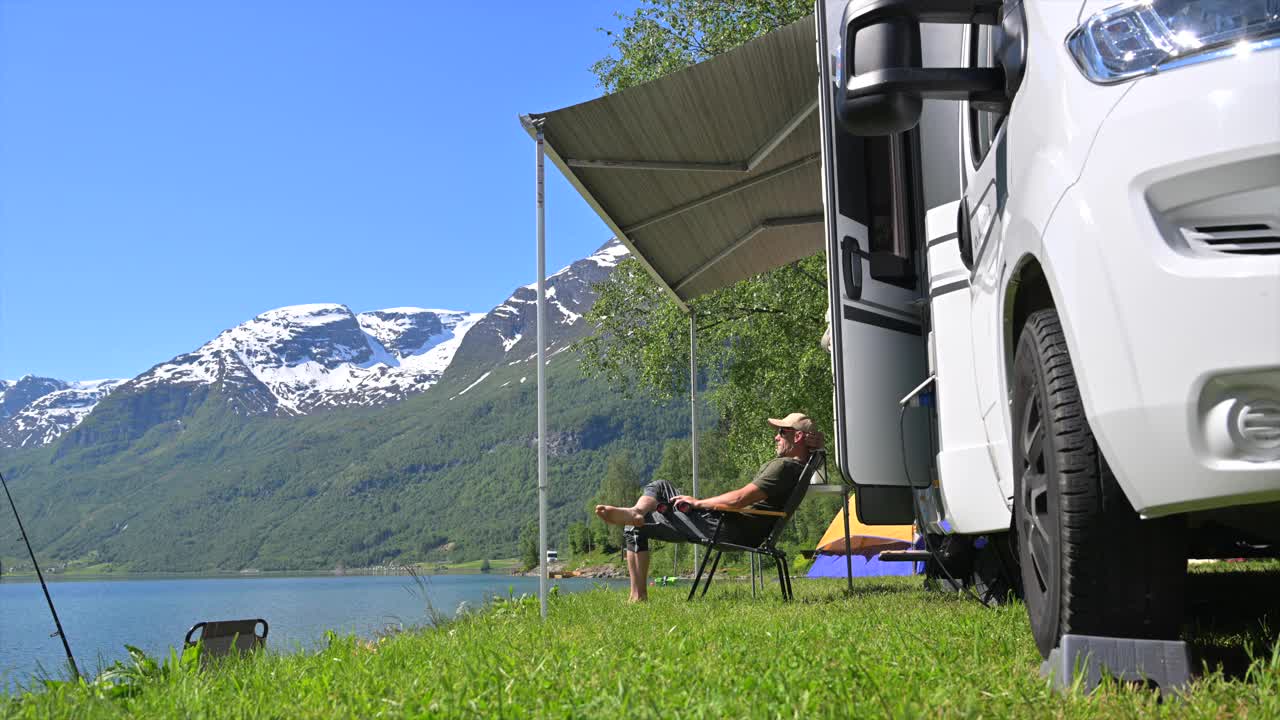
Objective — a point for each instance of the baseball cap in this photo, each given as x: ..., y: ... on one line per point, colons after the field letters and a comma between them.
x: 794, y: 421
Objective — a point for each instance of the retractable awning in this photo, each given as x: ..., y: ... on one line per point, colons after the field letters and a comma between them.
x: 710, y: 174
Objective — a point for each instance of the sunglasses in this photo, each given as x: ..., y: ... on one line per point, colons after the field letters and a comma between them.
x: 786, y: 432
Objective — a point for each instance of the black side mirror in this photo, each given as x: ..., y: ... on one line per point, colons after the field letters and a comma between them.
x: 885, y: 85
x: 869, y: 49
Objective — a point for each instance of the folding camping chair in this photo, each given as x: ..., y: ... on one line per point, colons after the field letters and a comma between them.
x: 817, y: 458
x: 218, y: 638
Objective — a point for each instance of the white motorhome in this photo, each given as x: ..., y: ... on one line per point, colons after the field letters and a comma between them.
x: 1058, y: 223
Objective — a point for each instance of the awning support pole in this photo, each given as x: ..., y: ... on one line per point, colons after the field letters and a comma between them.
x: 693, y: 407
x: 542, y: 380
x: 848, y: 542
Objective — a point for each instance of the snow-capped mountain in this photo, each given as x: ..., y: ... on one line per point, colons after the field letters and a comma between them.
x: 298, y: 359
x: 508, y: 333
x: 17, y: 394
x: 37, y: 411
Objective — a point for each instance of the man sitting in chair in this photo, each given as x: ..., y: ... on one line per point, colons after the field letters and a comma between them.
x: 655, y: 514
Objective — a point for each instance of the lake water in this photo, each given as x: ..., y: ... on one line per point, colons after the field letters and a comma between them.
x: 102, y: 616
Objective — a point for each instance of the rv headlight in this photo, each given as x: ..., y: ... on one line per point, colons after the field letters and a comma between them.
x: 1143, y: 36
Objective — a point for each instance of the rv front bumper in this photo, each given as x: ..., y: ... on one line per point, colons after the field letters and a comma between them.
x: 1165, y: 262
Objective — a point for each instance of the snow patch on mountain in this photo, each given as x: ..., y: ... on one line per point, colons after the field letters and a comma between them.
x: 322, y: 355
x: 477, y: 382
x: 506, y: 336
x: 47, y: 417
x: 610, y: 255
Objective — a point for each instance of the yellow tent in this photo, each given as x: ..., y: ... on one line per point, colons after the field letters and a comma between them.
x: 866, y: 540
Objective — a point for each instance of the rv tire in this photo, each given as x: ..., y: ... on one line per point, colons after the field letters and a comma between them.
x: 1089, y: 565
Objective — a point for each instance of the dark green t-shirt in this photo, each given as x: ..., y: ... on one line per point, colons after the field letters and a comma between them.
x: 777, y: 479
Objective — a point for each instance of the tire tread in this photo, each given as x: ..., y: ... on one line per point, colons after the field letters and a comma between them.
x: 1119, y: 575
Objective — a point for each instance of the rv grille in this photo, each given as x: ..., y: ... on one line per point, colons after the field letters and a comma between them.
x: 1255, y: 238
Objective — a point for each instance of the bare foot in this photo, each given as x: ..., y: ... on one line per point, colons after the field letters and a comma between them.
x: 634, y: 599
x: 619, y: 516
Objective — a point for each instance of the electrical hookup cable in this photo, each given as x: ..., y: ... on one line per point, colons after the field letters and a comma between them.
x: 71, y: 660
x: 915, y: 505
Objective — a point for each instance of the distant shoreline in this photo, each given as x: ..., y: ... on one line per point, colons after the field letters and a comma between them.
x: 30, y: 577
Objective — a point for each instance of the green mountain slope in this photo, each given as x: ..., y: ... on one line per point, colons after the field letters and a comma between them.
x: 446, y: 474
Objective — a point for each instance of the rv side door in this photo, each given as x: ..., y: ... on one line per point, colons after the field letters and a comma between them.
x: 874, y: 223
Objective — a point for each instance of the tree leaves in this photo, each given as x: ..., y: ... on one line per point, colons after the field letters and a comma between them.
x: 758, y: 351
x: 663, y: 36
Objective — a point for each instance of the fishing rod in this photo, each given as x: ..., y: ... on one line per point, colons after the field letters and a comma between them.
x: 71, y: 660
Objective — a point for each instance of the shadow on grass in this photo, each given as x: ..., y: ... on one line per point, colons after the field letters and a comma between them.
x: 1233, y: 616
x: 808, y: 591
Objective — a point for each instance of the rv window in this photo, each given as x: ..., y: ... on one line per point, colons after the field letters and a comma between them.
x: 983, y: 126
x: 880, y: 192
x: 893, y: 188
x: 853, y: 196
x: 879, y: 188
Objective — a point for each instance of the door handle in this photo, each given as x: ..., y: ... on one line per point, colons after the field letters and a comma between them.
x: 851, y: 266
x: 965, y: 234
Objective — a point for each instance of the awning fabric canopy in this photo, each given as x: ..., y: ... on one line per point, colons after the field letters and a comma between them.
x: 711, y: 174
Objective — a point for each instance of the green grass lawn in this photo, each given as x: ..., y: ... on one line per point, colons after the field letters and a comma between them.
x: 891, y: 649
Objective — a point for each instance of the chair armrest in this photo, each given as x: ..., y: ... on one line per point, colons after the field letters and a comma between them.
x: 746, y: 511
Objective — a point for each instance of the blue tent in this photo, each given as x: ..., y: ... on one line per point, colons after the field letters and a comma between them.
x: 828, y: 565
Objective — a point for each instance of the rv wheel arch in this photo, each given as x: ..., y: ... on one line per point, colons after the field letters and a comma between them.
x: 1026, y: 292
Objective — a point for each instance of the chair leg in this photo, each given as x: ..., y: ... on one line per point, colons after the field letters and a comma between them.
x: 710, y: 546
x: 782, y: 581
x: 786, y: 575
x: 753, y: 575
x: 712, y: 574
x: 698, y: 577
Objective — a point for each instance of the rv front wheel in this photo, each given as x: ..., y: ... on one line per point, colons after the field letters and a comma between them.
x: 1089, y: 564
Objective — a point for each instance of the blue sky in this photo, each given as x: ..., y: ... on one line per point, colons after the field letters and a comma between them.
x: 171, y: 169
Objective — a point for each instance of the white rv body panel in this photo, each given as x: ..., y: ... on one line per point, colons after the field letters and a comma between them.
x: 1099, y: 181
x: 1161, y: 333
x: 972, y: 502
x: 1046, y: 138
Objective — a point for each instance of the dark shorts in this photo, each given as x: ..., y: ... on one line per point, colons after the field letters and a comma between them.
x: 670, y: 525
